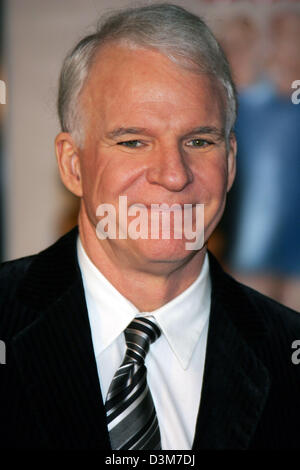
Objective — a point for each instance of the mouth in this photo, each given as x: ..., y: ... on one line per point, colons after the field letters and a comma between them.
x: 165, y: 207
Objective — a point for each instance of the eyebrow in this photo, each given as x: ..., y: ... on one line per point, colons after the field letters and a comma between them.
x: 125, y: 130
x: 212, y: 130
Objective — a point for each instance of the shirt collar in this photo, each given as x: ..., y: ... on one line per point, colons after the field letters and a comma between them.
x: 109, y: 311
x: 181, y: 320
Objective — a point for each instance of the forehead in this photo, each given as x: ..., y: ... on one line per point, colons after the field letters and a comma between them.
x: 125, y: 82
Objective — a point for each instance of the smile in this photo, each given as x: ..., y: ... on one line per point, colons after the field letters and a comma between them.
x: 133, y: 222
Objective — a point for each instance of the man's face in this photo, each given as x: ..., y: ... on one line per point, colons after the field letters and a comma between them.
x: 154, y: 132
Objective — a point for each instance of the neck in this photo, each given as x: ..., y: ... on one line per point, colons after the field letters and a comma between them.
x: 146, y: 284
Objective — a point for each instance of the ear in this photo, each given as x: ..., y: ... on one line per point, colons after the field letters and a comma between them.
x: 68, y: 163
x: 231, y: 160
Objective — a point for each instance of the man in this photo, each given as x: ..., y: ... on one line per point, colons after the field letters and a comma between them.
x: 147, y: 107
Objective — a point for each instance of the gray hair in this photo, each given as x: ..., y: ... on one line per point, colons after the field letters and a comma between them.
x: 180, y: 35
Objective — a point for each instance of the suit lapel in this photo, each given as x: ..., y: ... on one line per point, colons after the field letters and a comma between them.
x: 55, y: 353
x: 235, y: 383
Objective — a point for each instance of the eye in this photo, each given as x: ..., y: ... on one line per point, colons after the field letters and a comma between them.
x: 130, y: 143
x: 198, y: 143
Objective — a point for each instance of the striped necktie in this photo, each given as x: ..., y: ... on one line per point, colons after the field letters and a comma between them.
x: 131, y: 416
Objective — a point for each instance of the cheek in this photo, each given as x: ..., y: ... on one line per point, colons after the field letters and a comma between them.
x: 215, y: 183
x: 212, y: 180
x: 92, y: 171
x: 109, y: 176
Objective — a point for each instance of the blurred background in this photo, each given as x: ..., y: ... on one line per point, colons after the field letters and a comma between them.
x: 258, y: 238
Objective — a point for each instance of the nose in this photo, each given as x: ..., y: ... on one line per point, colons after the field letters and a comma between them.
x: 169, y: 169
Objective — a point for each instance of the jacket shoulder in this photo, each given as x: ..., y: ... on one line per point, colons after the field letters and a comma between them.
x: 271, y: 329
x: 270, y: 309
x: 29, y: 285
x: 253, y: 313
x: 12, y: 271
x: 11, y: 275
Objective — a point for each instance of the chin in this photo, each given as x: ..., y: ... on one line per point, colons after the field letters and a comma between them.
x: 164, y: 251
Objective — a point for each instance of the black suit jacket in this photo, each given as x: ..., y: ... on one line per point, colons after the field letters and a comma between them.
x: 50, y: 395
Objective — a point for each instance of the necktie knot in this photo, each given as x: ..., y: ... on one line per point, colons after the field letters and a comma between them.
x: 139, y: 334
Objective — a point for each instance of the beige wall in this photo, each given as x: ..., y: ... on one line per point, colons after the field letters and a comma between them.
x: 38, y: 35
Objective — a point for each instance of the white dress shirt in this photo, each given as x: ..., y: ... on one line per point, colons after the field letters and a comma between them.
x: 175, y: 362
